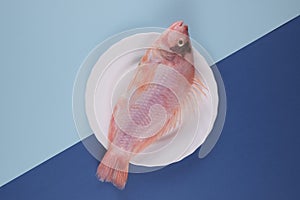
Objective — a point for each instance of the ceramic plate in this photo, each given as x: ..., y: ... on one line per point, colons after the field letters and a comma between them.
x: 109, y: 78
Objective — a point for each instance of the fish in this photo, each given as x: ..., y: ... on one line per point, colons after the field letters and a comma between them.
x: 164, y: 81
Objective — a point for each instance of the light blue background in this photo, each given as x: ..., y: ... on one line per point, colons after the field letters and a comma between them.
x: 43, y: 43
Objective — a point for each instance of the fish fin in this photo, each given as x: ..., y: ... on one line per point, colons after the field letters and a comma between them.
x: 112, y: 129
x: 198, y: 85
x: 197, y: 93
x: 112, y: 125
x: 114, y: 168
x: 173, y: 123
x: 146, y: 56
x: 170, y: 126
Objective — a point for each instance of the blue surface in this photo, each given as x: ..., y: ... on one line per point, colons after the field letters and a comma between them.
x: 43, y: 44
x: 257, y: 156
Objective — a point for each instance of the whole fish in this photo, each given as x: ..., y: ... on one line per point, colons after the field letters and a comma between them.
x: 163, y: 83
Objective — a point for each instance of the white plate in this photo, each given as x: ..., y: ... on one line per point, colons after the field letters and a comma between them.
x: 109, y: 78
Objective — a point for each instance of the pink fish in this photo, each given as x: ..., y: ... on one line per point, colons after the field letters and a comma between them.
x: 152, y: 104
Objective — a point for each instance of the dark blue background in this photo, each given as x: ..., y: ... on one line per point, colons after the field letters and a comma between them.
x: 257, y: 156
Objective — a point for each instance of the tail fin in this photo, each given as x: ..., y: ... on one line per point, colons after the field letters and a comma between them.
x: 113, y: 168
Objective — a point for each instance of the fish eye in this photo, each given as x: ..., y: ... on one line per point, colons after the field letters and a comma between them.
x: 180, y: 42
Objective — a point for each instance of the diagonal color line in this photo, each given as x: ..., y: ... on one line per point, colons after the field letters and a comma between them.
x: 256, y: 157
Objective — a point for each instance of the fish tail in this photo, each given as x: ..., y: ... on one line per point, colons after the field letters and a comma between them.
x: 114, y: 168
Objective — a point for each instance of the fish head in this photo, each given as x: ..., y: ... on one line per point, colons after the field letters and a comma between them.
x: 176, y: 40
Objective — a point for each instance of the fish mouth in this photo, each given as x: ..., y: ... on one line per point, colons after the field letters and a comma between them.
x: 180, y: 23
x: 180, y: 27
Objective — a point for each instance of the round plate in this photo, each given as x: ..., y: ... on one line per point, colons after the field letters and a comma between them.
x: 109, y: 78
